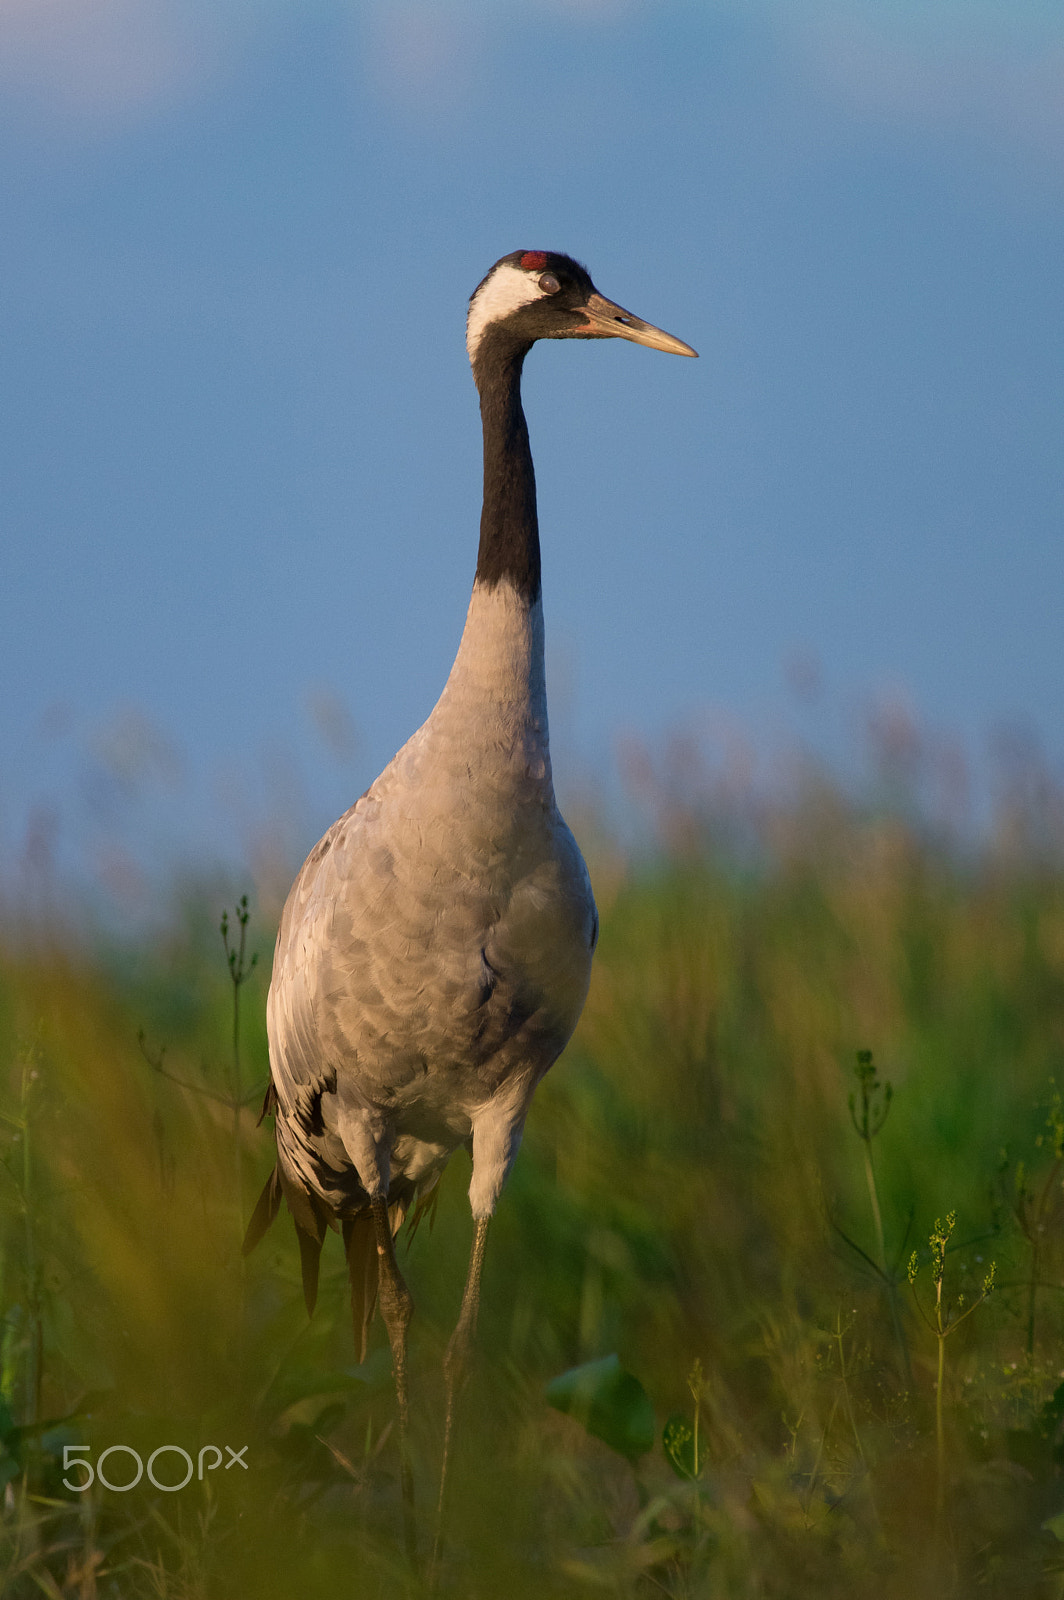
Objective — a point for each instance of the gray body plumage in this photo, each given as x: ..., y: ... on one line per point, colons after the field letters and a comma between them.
x: 434, y: 952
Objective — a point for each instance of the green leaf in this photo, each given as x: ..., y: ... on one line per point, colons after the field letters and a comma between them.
x: 293, y: 1384
x: 610, y: 1403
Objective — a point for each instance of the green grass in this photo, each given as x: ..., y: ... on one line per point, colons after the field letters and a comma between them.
x: 694, y: 1194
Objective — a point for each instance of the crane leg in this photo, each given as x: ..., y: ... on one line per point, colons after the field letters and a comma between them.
x: 397, y: 1308
x: 456, y: 1368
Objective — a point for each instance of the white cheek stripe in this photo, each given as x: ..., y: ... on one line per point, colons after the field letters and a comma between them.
x: 506, y: 290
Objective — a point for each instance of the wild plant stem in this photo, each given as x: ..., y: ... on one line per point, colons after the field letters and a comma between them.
x: 888, y: 1276
x: 815, y: 1470
x: 941, y: 1329
x: 940, y: 1435
x: 1034, y: 1236
x: 695, y: 1384
x: 840, y: 1336
x: 867, y: 1123
x: 239, y: 972
x: 33, y: 1305
x: 873, y: 1195
x: 1032, y: 1291
x: 698, y: 1408
x: 236, y: 973
x: 238, y: 1163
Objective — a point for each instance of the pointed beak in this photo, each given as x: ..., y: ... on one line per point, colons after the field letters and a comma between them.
x: 609, y: 321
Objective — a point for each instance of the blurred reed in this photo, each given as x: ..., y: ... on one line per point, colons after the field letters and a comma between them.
x: 697, y: 1192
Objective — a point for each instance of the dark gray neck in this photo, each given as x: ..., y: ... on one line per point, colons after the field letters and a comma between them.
x: 509, y: 528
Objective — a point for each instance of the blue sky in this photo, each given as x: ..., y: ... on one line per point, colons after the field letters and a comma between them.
x: 240, y: 456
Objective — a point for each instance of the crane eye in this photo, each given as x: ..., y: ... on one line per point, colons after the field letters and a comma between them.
x: 549, y: 283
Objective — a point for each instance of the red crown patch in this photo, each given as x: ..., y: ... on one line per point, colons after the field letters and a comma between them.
x: 534, y: 260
